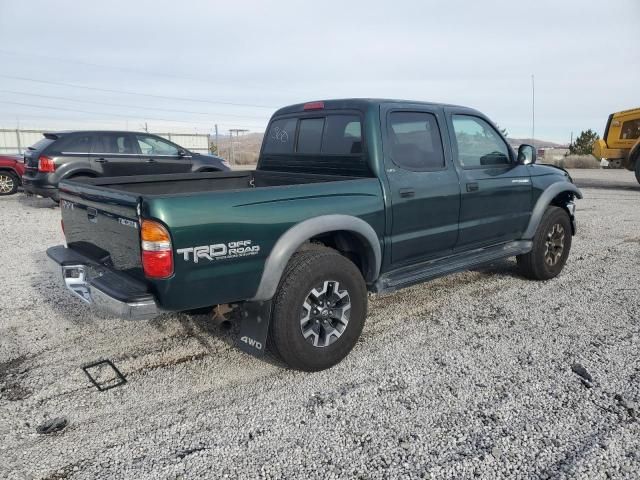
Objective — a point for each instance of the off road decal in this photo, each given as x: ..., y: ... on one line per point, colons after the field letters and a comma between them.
x: 219, y: 251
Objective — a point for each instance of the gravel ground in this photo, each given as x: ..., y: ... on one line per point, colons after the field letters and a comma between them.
x: 469, y: 376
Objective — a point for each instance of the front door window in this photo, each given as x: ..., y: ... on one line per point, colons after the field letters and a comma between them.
x: 150, y: 146
x: 479, y: 145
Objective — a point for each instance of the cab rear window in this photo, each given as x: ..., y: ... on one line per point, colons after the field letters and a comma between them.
x: 281, y: 136
x: 339, y: 134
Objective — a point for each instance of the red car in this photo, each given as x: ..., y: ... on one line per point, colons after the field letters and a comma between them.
x: 11, y: 170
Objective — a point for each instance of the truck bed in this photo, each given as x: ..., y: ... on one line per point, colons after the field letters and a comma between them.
x: 192, y: 183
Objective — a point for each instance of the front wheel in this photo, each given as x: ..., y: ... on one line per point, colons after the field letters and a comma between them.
x: 637, y: 169
x: 551, y: 245
x: 9, y: 182
x: 319, y: 310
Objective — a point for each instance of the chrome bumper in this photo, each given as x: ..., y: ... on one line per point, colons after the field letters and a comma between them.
x: 75, y: 278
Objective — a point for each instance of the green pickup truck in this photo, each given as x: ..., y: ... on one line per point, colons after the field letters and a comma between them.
x: 349, y: 197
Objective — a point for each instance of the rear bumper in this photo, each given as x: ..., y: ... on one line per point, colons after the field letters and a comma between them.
x: 36, y: 186
x: 105, y: 290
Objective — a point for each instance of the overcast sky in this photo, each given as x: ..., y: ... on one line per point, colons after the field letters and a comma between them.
x: 191, y: 64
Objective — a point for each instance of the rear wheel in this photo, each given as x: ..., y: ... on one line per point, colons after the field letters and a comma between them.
x: 319, y: 310
x: 637, y: 169
x: 9, y: 182
x: 551, y: 246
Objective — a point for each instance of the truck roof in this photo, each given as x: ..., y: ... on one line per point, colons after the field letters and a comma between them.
x: 59, y: 134
x: 362, y: 104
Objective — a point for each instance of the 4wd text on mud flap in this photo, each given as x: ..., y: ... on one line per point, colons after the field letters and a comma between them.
x: 251, y: 342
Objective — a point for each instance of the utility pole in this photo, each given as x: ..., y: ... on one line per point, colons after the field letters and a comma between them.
x: 533, y: 111
x: 237, y: 131
x: 146, y: 128
x: 217, y: 148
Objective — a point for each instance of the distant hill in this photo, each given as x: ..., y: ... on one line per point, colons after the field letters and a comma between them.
x: 516, y: 142
x: 246, y: 148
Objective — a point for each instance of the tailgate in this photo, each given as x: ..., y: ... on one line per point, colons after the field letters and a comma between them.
x: 101, y: 224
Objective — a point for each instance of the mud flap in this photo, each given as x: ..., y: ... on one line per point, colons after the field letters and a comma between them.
x: 254, y: 327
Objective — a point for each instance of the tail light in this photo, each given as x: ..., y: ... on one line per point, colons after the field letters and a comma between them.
x: 46, y: 165
x: 157, y: 256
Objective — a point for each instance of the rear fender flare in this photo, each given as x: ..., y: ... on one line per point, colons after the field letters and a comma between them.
x: 79, y: 171
x: 544, y: 201
x: 297, y: 235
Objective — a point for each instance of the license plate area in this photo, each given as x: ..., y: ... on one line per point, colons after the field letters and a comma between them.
x: 75, y: 279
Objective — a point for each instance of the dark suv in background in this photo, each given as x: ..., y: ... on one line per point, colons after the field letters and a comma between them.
x: 107, y: 154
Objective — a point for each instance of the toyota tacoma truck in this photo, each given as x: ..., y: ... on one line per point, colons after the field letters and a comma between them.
x: 348, y: 197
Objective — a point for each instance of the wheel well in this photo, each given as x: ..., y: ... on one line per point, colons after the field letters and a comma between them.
x: 561, y: 200
x: 352, y: 246
x: 11, y: 170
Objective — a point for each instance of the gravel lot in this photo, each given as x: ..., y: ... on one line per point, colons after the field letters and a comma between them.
x: 469, y: 376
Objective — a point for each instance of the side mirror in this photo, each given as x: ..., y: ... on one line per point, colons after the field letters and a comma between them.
x: 526, y: 154
x: 182, y: 153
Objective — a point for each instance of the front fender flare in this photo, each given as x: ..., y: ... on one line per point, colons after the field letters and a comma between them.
x: 293, y: 238
x: 544, y: 201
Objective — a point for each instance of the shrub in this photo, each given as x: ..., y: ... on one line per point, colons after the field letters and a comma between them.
x: 576, y: 161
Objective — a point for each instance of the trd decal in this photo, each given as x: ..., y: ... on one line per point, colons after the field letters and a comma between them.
x: 219, y: 251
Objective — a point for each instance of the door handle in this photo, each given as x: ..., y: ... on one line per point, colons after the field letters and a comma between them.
x: 92, y: 215
x: 472, y: 187
x: 151, y: 160
x: 102, y: 160
x: 407, y: 192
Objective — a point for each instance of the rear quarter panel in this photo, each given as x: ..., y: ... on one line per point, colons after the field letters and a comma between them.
x: 12, y: 163
x: 259, y: 215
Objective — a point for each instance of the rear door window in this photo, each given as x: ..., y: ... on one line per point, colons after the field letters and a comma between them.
x: 415, y: 141
x: 74, y: 144
x: 281, y: 136
x: 114, y: 143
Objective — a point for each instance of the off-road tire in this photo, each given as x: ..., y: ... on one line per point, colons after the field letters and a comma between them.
x: 11, y: 181
x: 536, y: 264
x: 637, y: 169
x: 308, y: 269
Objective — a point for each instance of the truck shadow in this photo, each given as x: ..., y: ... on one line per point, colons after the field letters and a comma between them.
x: 36, y: 202
x: 209, y: 332
x: 506, y: 267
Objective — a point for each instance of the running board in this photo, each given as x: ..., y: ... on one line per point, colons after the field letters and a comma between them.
x: 407, y: 276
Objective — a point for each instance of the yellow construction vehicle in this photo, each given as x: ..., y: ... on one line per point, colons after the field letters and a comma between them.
x: 620, y: 144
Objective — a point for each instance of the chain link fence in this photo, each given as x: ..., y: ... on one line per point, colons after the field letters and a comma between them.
x: 16, y: 141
